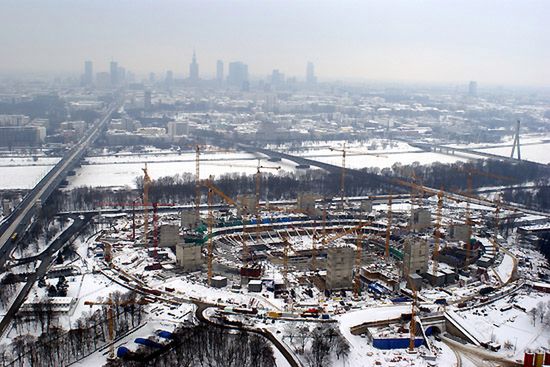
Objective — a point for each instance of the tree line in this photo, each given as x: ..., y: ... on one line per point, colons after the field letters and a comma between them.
x: 206, y: 345
x: 180, y: 188
x: 55, y: 346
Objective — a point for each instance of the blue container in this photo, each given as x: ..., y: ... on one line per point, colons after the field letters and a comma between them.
x: 165, y: 334
x: 148, y: 343
x: 122, y: 352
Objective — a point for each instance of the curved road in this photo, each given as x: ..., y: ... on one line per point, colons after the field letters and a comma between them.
x: 201, y: 307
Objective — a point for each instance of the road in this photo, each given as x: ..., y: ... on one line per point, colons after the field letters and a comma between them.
x: 469, y: 355
x: 46, y: 259
x: 201, y: 307
x: 22, y: 214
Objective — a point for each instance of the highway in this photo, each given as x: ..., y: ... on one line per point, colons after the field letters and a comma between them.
x: 22, y: 214
x: 47, y: 257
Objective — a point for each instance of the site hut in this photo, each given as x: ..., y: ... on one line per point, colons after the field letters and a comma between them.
x: 436, y: 280
x: 450, y: 275
x: 255, y: 285
x: 340, y: 261
x: 416, y: 280
x: 219, y: 281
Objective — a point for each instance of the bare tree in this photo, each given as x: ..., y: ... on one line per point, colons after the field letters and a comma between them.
x: 534, y: 312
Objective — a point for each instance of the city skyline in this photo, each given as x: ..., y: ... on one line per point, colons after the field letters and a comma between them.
x: 491, y: 42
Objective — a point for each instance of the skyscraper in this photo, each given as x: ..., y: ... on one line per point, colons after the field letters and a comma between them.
x: 277, y: 78
x: 238, y: 74
x: 194, y: 69
x: 310, y: 73
x: 219, y: 71
x: 169, y: 79
x: 88, y: 76
x: 114, y: 73
x: 472, y: 89
x: 147, y: 100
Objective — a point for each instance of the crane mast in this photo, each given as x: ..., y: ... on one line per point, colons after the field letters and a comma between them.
x: 146, y: 186
x: 437, y: 232
x: 388, y: 228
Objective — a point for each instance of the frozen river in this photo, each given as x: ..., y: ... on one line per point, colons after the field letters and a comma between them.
x: 120, y: 170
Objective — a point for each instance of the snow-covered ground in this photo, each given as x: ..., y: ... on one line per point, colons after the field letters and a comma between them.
x: 513, y: 325
x: 534, y: 147
x: 535, y: 152
x: 381, y: 154
x: 505, y: 268
x: 24, y: 172
x: 122, y: 170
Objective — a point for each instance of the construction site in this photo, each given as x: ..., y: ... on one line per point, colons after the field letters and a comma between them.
x: 400, y: 272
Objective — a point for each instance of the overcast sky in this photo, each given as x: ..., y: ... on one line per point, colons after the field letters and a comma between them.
x: 497, y: 42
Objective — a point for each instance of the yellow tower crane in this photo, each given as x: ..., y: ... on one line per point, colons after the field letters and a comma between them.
x: 197, y: 186
x: 469, y: 183
x: 345, y: 152
x: 437, y: 233
x: 110, y: 304
x: 358, y: 259
x: 210, y: 244
x: 146, y: 185
x: 388, y: 227
x: 213, y: 189
x: 343, y: 174
x: 412, y: 326
x: 258, y: 182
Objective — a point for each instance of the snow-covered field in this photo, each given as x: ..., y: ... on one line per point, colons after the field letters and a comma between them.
x: 122, y: 170
x: 374, y: 153
x: 24, y: 172
x: 514, y: 325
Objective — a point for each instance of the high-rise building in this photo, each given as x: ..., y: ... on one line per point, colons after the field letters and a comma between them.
x: 310, y: 73
x: 121, y: 74
x: 88, y: 76
x: 472, y: 89
x: 219, y: 71
x: 114, y: 73
x: 194, y: 69
x: 277, y: 78
x: 169, y: 80
x: 147, y: 100
x: 238, y: 74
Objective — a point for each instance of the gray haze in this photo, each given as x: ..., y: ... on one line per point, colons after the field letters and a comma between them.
x: 502, y: 42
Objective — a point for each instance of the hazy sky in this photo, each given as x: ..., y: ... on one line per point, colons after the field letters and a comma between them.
x: 502, y: 42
